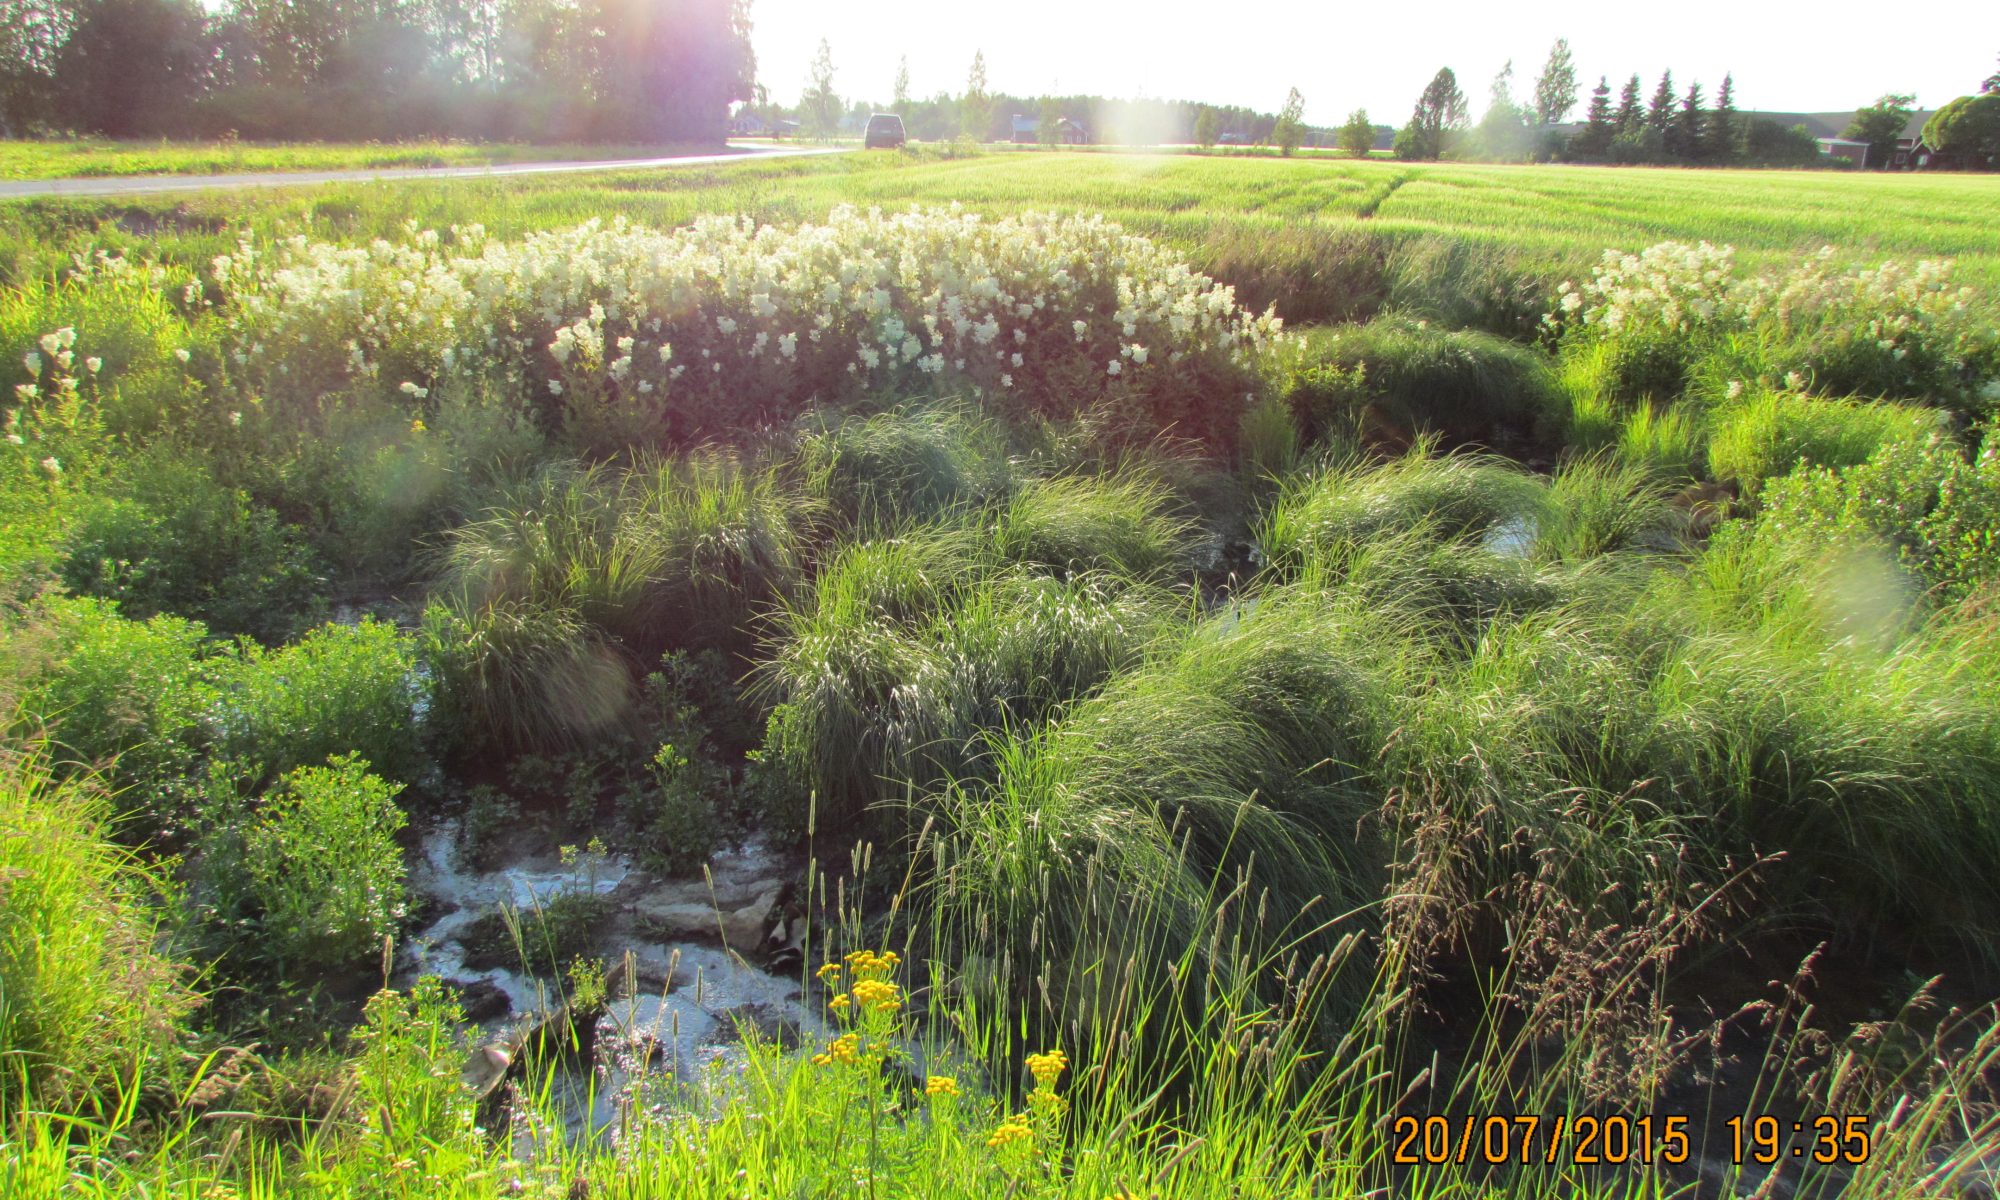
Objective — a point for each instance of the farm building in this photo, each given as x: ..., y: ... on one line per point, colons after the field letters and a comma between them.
x: 1027, y: 131
x: 1854, y: 152
x: 1827, y: 127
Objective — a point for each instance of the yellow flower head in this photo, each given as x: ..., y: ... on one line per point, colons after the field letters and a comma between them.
x: 1046, y: 1067
x: 839, y: 1003
x: 828, y: 970
x: 874, y: 993
x: 940, y: 1085
x: 1013, y: 1129
x: 845, y: 1050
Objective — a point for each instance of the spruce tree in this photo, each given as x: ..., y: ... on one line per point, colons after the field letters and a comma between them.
x: 1629, y: 112
x: 1660, y: 113
x: 1684, y: 135
x: 1598, y: 130
x: 1720, y: 137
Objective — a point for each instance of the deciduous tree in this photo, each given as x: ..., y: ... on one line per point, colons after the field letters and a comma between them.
x: 902, y: 92
x: 1966, y: 132
x: 1290, y: 129
x: 1881, y: 124
x: 1439, y: 114
x: 820, y: 104
x: 1357, y: 136
x: 132, y: 67
x: 1555, y: 87
x: 976, y: 109
x: 1503, y: 130
x: 1205, y: 127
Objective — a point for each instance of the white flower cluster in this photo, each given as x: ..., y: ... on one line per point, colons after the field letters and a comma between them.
x: 1671, y: 286
x: 1895, y: 327
x: 740, y: 321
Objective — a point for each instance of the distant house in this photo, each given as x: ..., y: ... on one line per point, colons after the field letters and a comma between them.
x: 1854, y: 152
x: 1827, y: 128
x: 1028, y: 130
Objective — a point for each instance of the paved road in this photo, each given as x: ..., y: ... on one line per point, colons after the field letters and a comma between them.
x: 137, y: 185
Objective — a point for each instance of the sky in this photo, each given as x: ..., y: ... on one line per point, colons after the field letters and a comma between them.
x: 1786, y: 58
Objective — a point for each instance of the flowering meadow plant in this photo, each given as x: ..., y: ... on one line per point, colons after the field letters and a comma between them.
x: 1897, y: 329
x: 622, y: 332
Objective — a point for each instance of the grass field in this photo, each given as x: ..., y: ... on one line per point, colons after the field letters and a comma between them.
x: 100, y: 158
x: 1220, y: 743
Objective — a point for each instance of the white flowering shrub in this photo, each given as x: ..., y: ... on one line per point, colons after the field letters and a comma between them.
x: 622, y: 332
x: 1897, y: 329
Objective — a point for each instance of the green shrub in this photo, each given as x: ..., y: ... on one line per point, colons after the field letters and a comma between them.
x: 120, y: 314
x: 169, y: 538
x: 129, y: 697
x: 1465, y: 385
x: 322, y: 866
x: 340, y: 689
x: 89, y: 1000
x: 1922, y: 496
x: 1770, y: 433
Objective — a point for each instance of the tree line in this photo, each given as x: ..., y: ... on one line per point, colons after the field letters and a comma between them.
x: 1672, y: 126
x: 985, y: 115
x: 538, y: 70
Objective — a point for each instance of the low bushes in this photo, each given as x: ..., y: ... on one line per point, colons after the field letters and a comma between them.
x: 910, y: 649
x: 714, y: 330
x: 1651, y: 321
x: 339, y: 689
x: 1768, y: 434
x: 172, y: 539
x: 179, y: 723
x: 553, y: 598
x: 321, y: 867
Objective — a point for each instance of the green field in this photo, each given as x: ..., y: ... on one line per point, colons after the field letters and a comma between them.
x: 84, y: 158
x: 1167, y: 672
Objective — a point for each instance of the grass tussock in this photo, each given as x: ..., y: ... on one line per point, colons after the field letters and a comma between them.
x: 89, y: 1002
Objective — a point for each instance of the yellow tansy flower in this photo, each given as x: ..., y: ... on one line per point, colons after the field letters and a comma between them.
x: 1046, y: 1067
x: 940, y: 1085
x: 1013, y: 1129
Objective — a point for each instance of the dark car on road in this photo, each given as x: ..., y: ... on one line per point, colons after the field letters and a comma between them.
x: 885, y: 132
